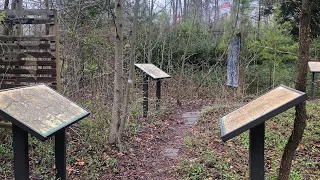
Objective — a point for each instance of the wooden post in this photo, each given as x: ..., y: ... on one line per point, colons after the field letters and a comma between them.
x: 256, y: 152
x: 5, y: 125
x: 60, y: 154
x: 57, y: 36
x: 20, y: 153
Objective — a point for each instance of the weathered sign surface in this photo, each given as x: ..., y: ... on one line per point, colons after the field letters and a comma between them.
x: 259, y: 110
x: 314, y: 66
x: 153, y: 71
x: 39, y: 110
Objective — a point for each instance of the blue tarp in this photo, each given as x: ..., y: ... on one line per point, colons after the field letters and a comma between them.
x: 233, y: 62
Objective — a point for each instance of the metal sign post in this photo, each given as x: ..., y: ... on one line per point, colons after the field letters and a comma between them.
x: 158, y: 94
x: 252, y: 117
x: 60, y: 154
x: 145, y: 95
x: 256, y: 152
x: 312, y: 85
x: 20, y: 153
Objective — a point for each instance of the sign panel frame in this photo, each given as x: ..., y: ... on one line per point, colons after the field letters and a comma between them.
x: 146, y: 69
x: 32, y: 130
x: 314, y: 66
x: 263, y: 117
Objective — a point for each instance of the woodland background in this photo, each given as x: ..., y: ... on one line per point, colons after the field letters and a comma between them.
x: 189, y: 39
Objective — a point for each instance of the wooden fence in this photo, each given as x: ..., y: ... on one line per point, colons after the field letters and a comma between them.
x: 29, y: 57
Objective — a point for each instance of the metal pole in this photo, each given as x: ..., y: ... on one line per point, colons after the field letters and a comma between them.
x: 20, y: 153
x: 158, y: 94
x: 60, y: 154
x: 312, y: 85
x: 256, y: 152
x: 145, y: 95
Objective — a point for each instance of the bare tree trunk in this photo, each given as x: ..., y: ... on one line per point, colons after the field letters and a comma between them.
x: 150, y: 31
x: 185, y: 9
x: 46, y: 2
x: 6, y: 6
x: 131, y: 68
x: 118, y: 73
x: 18, y: 6
x: 240, y: 87
x: 301, y: 82
x: 174, y: 12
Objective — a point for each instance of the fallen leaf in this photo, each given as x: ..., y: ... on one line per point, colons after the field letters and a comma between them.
x: 69, y: 169
x: 80, y: 163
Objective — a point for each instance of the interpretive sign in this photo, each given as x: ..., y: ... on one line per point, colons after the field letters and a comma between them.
x: 314, y: 67
x: 42, y: 112
x: 259, y: 110
x: 155, y: 73
x: 39, y: 110
x: 252, y: 117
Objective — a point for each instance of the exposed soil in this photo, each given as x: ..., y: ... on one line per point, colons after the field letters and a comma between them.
x: 146, y: 157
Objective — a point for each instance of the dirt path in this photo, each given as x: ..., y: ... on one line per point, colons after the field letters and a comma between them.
x: 157, y: 149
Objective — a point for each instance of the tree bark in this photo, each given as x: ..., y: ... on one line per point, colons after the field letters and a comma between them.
x: 301, y: 82
x: 118, y: 73
x: 240, y: 88
x: 131, y: 68
x: 149, y: 55
x: 6, y: 6
x: 18, y: 5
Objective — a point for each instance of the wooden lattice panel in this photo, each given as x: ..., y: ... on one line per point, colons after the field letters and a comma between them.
x: 29, y: 59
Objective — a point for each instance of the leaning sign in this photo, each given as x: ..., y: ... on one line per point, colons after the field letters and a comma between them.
x: 252, y: 117
x: 155, y: 73
x: 41, y: 112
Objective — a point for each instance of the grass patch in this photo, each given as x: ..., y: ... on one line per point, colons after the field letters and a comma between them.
x: 230, y: 160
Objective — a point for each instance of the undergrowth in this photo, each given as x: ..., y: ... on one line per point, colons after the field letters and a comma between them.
x: 229, y: 160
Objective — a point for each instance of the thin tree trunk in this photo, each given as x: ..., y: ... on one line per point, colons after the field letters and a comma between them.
x: 301, y: 83
x: 131, y: 68
x: 185, y: 9
x: 18, y: 6
x: 240, y: 88
x: 118, y: 73
x: 174, y: 12
x: 150, y: 32
x: 6, y: 6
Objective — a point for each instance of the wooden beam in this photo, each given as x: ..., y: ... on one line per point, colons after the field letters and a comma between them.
x: 5, y: 125
x: 7, y: 86
x: 21, y: 79
x: 11, y: 46
x: 27, y: 38
x: 24, y: 12
x: 27, y: 71
x: 28, y: 63
x: 57, y: 36
x: 19, y: 55
x: 28, y: 21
